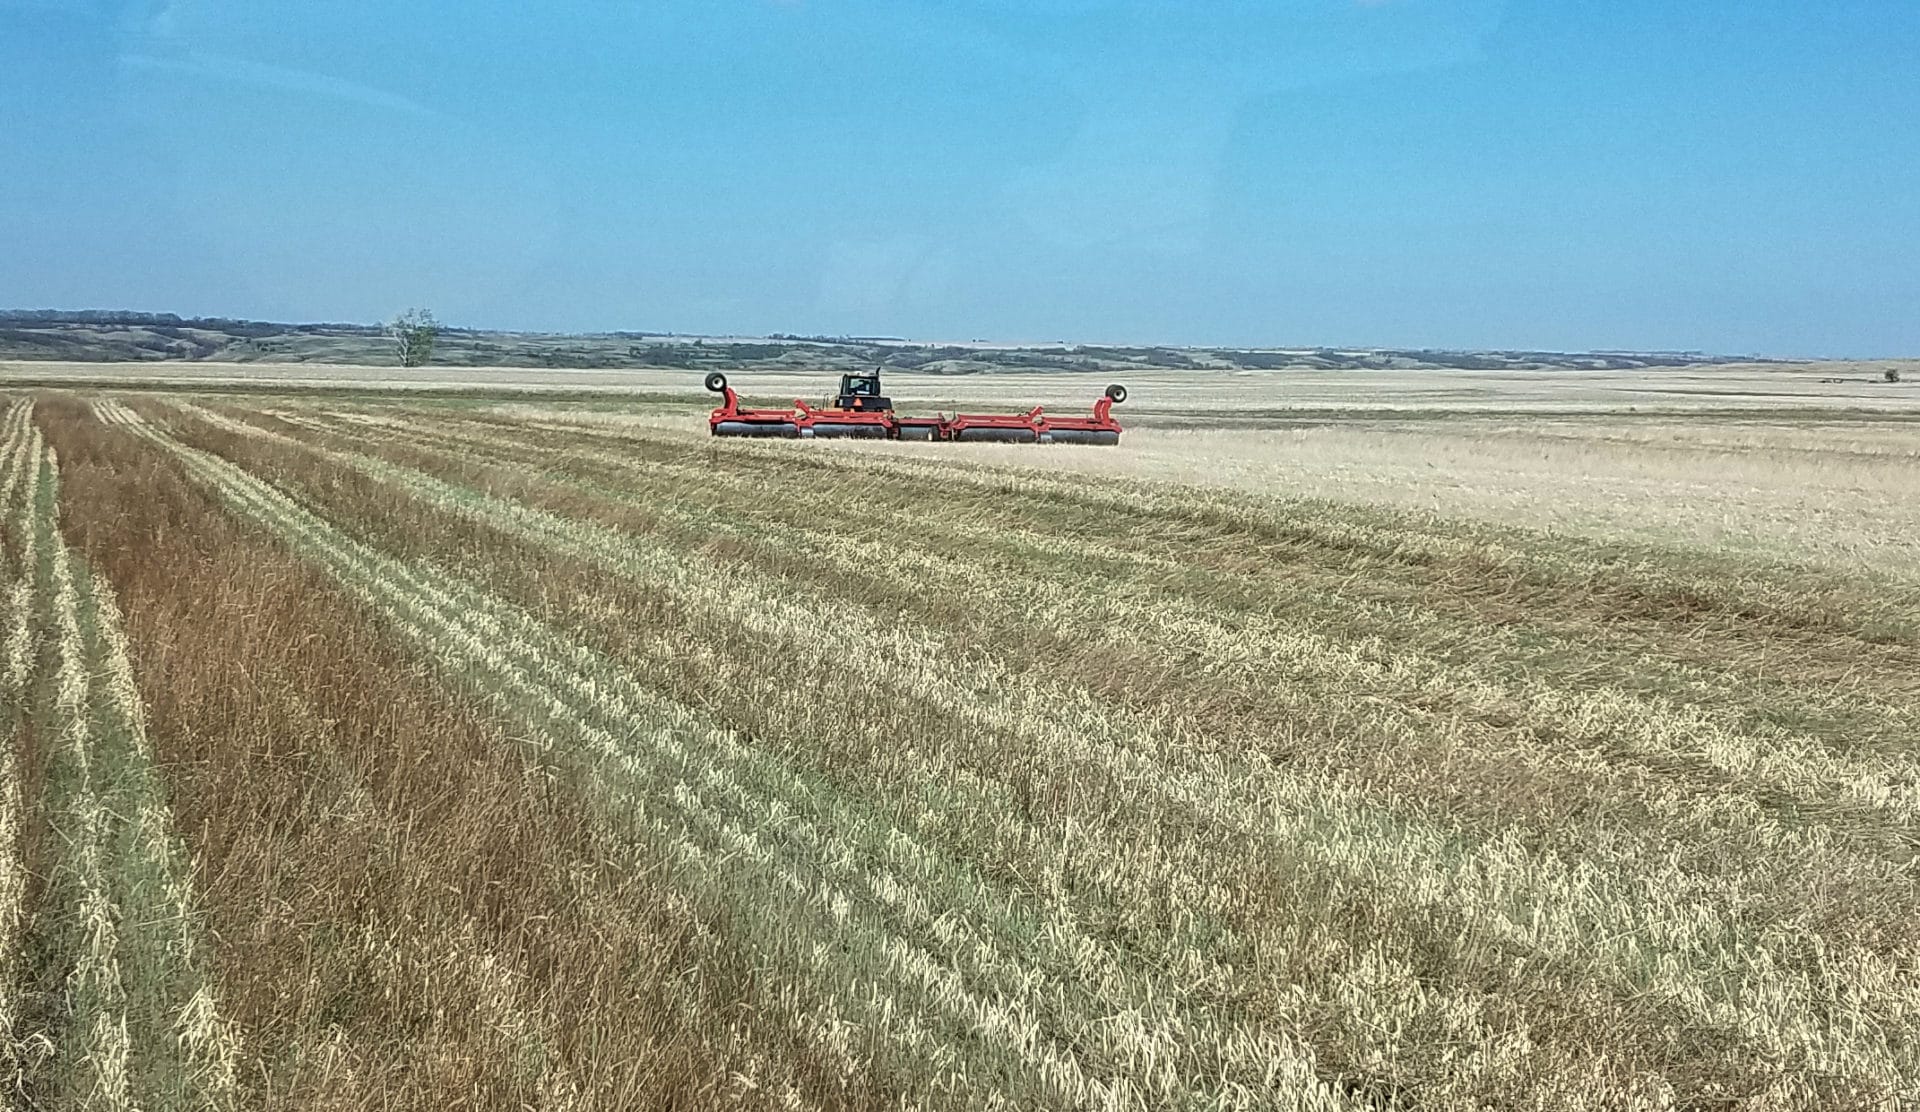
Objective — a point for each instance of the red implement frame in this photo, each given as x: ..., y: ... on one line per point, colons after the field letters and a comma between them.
x: 1100, y: 428
x: 806, y: 421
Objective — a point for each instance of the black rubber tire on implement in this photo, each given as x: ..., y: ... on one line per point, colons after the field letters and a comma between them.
x: 717, y: 382
x: 1117, y: 393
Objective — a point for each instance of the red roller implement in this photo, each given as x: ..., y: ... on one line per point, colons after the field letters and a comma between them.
x: 862, y: 411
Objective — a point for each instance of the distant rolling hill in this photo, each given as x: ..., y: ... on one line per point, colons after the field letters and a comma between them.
x: 114, y: 336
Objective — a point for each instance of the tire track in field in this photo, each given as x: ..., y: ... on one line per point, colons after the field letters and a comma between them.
x: 1662, y: 930
x: 730, y: 811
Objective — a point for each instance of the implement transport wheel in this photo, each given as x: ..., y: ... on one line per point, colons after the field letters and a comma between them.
x: 1117, y: 392
x: 716, y: 382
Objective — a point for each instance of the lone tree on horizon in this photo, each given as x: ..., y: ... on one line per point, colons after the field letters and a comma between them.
x: 413, y: 334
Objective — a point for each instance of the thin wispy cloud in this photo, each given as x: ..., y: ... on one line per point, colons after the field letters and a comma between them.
x: 238, y: 71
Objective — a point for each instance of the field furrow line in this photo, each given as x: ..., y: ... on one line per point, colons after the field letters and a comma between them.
x: 451, y: 611
x: 1652, y: 932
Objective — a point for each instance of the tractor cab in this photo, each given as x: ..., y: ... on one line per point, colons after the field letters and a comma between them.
x: 862, y: 392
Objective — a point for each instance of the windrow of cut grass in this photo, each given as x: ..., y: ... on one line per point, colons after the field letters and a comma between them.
x: 1695, y: 925
x: 415, y: 908
x: 901, y: 956
x: 109, y: 1001
x: 20, y: 451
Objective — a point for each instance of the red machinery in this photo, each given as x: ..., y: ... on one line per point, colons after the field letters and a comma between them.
x: 861, y: 410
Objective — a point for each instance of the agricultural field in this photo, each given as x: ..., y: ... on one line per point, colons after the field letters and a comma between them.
x: 1426, y: 745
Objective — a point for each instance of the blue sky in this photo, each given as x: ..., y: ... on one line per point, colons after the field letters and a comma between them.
x: 1738, y: 176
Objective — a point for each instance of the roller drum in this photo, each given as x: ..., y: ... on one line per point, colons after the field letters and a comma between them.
x: 995, y: 434
x: 826, y: 430
x: 1105, y: 437
x: 756, y: 428
x: 916, y: 432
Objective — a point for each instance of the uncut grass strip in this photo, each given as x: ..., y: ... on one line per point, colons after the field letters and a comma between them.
x: 19, y: 461
x: 94, y: 1047
x: 13, y: 453
x: 785, y: 782
x: 25, y: 535
x: 142, y: 1012
x: 19, y: 458
x: 161, y: 898
x: 13, y: 895
x: 1629, y: 901
x: 20, y: 565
